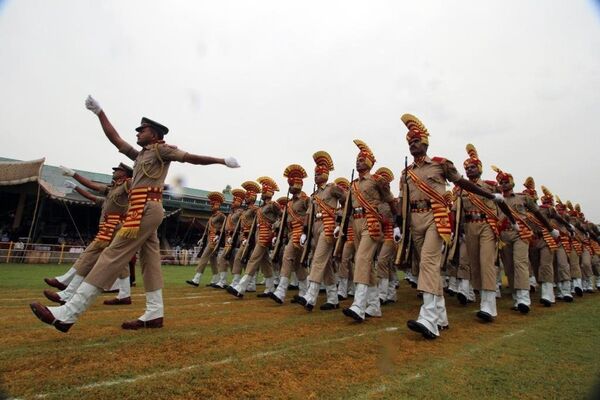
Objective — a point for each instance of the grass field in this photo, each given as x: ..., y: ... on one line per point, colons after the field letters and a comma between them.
x: 215, y: 346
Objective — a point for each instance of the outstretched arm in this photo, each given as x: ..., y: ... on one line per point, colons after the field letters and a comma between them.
x: 86, y: 194
x: 110, y: 132
x: 473, y: 188
x: 83, y: 180
x: 206, y: 160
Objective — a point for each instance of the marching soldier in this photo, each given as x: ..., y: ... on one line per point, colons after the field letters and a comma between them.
x: 546, y: 246
x: 346, y: 268
x: 562, y: 258
x: 560, y: 272
x: 252, y: 189
x: 225, y: 261
x: 213, y: 231
x: 385, y: 257
x: 265, y: 217
x: 480, y: 216
x: 296, y: 209
x: 430, y: 221
x: 325, y: 200
x: 114, y: 209
x: 576, y: 251
x: 516, y: 238
x: 586, y: 254
x: 368, y: 193
x: 144, y: 215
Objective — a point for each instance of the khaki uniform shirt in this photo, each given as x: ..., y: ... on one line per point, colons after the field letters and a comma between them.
x: 151, y: 164
x: 373, y: 191
x: 433, y: 173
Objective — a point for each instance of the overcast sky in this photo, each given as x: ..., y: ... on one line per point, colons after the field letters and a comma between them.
x: 271, y: 82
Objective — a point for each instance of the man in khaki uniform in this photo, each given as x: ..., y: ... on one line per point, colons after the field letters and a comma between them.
x: 385, y: 256
x: 215, y: 227
x: 561, y: 260
x: 542, y: 250
x: 251, y: 188
x: 144, y: 215
x: 346, y: 268
x: 225, y: 260
x: 368, y: 193
x: 325, y: 200
x: 516, y: 238
x: 587, y: 251
x: 265, y: 217
x: 430, y: 222
x: 296, y: 209
x: 480, y: 216
x: 114, y: 209
x: 576, y: 251
x: 554, y: 265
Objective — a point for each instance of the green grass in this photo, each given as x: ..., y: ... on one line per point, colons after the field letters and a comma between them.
x: 214, y: 346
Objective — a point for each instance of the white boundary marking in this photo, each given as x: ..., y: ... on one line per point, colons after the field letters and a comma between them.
x: 211, y: 364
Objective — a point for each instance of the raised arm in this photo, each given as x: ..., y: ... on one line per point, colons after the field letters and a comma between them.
x: 83, y: 180
x: 83, y: 192
x: 110, y: 132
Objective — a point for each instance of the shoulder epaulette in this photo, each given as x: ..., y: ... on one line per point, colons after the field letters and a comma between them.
x: 492, y: 183
x: 439, y: 160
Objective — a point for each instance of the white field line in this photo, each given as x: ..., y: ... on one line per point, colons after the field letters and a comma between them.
x: 211, y: 364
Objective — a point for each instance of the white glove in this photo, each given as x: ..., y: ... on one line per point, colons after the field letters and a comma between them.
x: 336, y: 232
x: 92, y: 105
x: 70, y: 185
x: 244, y: 242
x: 516, y: 226
x: 303, y: 239
x: 231, y: 162
x: 229, y: 240
x: 555, y: 233
x: 273, y: 240
x: 216, y: 239
x: 572, y: 227
x: 67, y: 171
x: 397, y: 234
x: 498, y: 198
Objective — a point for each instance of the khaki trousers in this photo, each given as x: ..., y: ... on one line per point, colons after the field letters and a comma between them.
x: 365, y: 270
x: 321, y: 267
x: 385, y: 259
x: 561, y: 262
x: 464, y: 266
x: 237, y: 261
x: 546, y: 269
x: 291, y: 262
x: 481, y: 246
x: 260, y: 259
x: 596, y: 264
x: 208, y: 256
x: 226, y: 265
x: 346, y: 268
x: 428, y: 251
x: 586, y: 264
x: 88, y: 258
x: 574, y: 264
x: 117, y: 255
x: 515, y: 257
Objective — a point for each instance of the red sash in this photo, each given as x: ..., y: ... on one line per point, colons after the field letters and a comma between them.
x: 490, y: 215
x: 373, y: 217
x: 441, y: 213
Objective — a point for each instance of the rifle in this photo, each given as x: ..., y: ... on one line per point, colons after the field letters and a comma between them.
x: 309, y: 234
x: 345, y: 223
x: 281, y: 233
x: 402, y: 255
x: 451, y: 249
x: 251, y: 241
x: 234, y: 238
x: 221, y: 242
x: 203, y: 242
